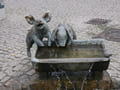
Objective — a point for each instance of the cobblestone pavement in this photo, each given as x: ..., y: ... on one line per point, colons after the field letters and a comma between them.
x: 13, y: 29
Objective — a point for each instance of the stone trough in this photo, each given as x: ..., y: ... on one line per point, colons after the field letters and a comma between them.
x: 79, y: 56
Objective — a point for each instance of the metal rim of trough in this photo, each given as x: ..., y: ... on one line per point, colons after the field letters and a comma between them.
x: 76, y: 60
x: 72, y: 60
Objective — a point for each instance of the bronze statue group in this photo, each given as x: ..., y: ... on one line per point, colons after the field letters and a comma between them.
x: 61, y: 36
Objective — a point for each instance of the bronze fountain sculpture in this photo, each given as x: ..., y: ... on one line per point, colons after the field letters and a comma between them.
x: 39, y: 30
x: 62, y: 52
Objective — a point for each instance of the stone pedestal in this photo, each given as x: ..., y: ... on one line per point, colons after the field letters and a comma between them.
x: 2, y: 10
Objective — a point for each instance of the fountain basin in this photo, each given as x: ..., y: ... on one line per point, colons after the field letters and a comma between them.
x: 77, y: 57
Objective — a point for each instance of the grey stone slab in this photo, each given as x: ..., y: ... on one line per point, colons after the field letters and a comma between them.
x: 31, y: 72
x: 2, y: 75
x: 9, y: 82
x: 5, y: 79
x: 13, y: 29
x: 25, y: 68
x: 17, y: 68
x: 9, y: 72
x: 25, y: 61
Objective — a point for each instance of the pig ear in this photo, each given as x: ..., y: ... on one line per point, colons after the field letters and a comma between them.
x: 47, y: 17
x: 69, y: 35
x: 69, y: 32
x: 53, y: 36
x: 72, y: 33
x: 30, y: 19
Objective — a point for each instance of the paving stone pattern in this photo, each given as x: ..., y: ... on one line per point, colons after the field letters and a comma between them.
x: 13, y: 30
x: 112, y: 34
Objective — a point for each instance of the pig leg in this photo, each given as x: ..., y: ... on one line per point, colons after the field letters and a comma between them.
x: 29, y: 45
x: 37, y: 41
x: 49, y: 39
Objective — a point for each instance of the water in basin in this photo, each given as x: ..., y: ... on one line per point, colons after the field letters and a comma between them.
x: 70, y: 52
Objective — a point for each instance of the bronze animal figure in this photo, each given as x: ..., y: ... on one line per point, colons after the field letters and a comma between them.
x: 63, y: 35
x: 39, y: 30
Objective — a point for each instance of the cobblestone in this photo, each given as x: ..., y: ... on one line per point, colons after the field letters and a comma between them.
x: 9, y: 82
x: 25, y: 62
x: 2, y: 75
x: 25, y: 68
x: 9, y: 72
x: 31, y: 72
x: 18, y: 67
x: 34, y: 77
x: 13, y: 29
x: 115, y: 65
x: 5, y: 79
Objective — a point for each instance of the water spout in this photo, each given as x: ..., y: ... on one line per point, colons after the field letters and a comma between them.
x: 58, y: 78
x: 85, y: 78
x: 67, y: 77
